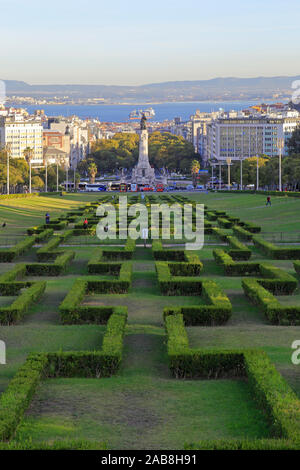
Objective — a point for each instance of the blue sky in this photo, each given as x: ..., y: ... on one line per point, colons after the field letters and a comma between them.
x: 135, y: 42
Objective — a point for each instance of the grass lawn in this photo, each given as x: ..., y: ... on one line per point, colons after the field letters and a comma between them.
x: 142, y: 406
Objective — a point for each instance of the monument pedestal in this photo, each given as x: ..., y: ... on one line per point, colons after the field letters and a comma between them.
x: 142, y: 173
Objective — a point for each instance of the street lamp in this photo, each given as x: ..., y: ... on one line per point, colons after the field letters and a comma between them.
x: 257, y: 172
x: 28, y: 155
x: 228, y: 160
x: 56, y: 161
x: 280, y: 146
x: 8, y: 153
x: 46, y: 174
x: 220, y: 175
x: 241, y: 173
x: 67, y: 175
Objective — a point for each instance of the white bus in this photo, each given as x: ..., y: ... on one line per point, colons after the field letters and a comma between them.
x: 95, y: 187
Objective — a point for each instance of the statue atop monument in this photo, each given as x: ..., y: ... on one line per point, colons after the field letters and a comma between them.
x: 143, y: 122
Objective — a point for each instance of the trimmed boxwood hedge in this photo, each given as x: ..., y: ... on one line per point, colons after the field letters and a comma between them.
x: 242, y: 233
x: 270, y: 390
x: 276, y: 313
x: 161, y: 254
x: 232, y: 268
x: 55, y: 269
x: 9, y: 255
x: 217, y: 310
x: 55, y: 445
x: 119, y: 254
x: 176, y: 285
x: 238, y: 251
x: 297, y: 266
x: 16, y: 311
x: 220, y: 233
x: 225, y: 223
x: 71, y: 309
x: 16, y: 398
x: 275, y: 252
x: 45, y: 235
x: 243, y: 444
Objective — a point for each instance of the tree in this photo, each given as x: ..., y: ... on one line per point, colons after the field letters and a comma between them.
x: 18, y: 170
x: 165, y: 150
x: 294, y: 142
x: 92, y: 170
x: 37, y: 182
x: 195, y: 167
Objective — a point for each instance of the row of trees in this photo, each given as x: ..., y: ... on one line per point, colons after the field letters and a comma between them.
x: 19, y: 173
x: 268, y: 172
x: 165, y: 150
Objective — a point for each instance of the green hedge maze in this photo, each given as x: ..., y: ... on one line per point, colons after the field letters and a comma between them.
x: 117, y: 345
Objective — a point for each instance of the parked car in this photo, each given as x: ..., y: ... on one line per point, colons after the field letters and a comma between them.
x: 190, y: 187
x: 170, y: 188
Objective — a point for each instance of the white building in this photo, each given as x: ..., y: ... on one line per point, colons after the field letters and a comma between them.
x: 241, y: 138
x: 18, y: 134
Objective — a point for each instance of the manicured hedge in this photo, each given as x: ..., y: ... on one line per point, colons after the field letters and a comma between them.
x: 238, y: 251
x: 176, y: 285
x: 220, y: 233
x: 16, y: 311
x: 265, y: 193
x: 225, y: 223
x: 161, y: 254
x: 55, y: 269
x: 119, y: 285
x: 297, y: 266
x: 7, y: 256
x: 17, y: 272
x: 275, y: 252
x: 216, y: 311
x: 243, y: 444
x: 276, y: 313
x: 270, y: 390
x: 56, y: 225
x: 232, y: 268
x: 250, y: 227
x: 16, y: 398
x: 210, y: 215
x: 119, y: 254
x: 242, y: 233
x: 45, y: 235
x: 71, y: 309
x: 18, y: 195
x: 55, y: 445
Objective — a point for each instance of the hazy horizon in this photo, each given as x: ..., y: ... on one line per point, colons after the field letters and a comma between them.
x: 140, y: 43
x: 153, y: 83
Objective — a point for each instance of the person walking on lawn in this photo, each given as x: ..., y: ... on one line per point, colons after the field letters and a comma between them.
x: 85, y: 223
x: 268, y: 201
x: 47, y: 218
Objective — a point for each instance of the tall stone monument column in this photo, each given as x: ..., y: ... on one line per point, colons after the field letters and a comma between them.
x: 142, y: 172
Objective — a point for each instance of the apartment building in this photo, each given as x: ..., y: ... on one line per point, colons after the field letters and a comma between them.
x: 79, y: 137
x: 17, y: 134
x: 56, y: 146
x: 240, y: 138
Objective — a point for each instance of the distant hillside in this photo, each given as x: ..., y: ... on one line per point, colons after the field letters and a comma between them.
x: 214, y: 89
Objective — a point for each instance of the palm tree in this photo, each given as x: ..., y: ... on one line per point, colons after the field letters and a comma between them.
x: 195, y: 167
x: 92, y: 169
x: 28, y: 154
